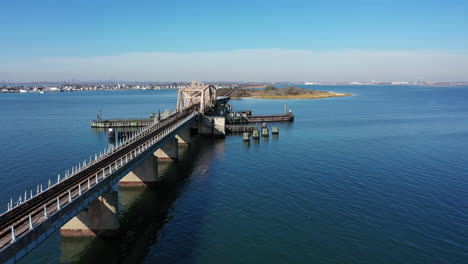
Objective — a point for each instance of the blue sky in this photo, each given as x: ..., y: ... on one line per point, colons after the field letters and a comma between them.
x: 36, y: 30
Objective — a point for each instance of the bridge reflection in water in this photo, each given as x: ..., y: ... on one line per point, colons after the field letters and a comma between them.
x: 144, y: 211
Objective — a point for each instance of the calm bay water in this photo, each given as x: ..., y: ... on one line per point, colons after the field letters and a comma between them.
x: 379, y: 177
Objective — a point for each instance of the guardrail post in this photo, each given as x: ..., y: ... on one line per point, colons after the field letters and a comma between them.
x: 13, y: 235
x: 31, y: 227
x: 58, y: 203
x: 45, y: 212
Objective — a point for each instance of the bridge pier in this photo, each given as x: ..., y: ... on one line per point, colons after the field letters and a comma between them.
x: 100, y: 218
x: 146, y: 174
x: 168, y: 152
x: 212, y: 126
x: 184, y: 138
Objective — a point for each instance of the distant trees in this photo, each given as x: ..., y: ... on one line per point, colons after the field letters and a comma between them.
x: 270, y: 88
x: 293, y: 90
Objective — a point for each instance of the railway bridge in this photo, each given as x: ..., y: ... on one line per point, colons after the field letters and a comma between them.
x: 83, y: 202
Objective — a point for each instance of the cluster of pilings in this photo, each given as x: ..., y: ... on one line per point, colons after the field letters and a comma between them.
x: 264, y: 132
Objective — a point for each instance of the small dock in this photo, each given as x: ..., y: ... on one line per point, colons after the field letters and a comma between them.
x: 239, y: 118
x: 238, y: 122
x: 246, y: 117
x: 271, y: 118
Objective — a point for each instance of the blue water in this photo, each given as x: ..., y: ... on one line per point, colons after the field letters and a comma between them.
x: 379, y: 177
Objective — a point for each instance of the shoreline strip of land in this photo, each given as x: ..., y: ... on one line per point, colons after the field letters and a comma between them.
x: 271, y: 92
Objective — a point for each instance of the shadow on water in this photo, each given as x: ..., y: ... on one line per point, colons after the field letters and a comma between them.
x: 144, y: 211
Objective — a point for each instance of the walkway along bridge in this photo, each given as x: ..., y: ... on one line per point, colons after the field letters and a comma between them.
x: 83, y: 202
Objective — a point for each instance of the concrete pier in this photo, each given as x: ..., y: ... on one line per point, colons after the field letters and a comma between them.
x: 256, y: 134
x: 99, y: 219
x: 219, y: 128
x: 246, y: 136
x: 184, y: 138
x: 275, y: 130
x: 146, y: 174
x: 212, y: 126
x: 168, y: 152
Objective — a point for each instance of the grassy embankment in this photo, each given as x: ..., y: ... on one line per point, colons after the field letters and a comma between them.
x: 271, y: 92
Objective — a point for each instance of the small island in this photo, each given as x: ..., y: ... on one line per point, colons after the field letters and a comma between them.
x: 272, y: 92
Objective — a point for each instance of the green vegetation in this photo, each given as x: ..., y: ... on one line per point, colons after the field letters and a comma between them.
x: 272, y: 92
